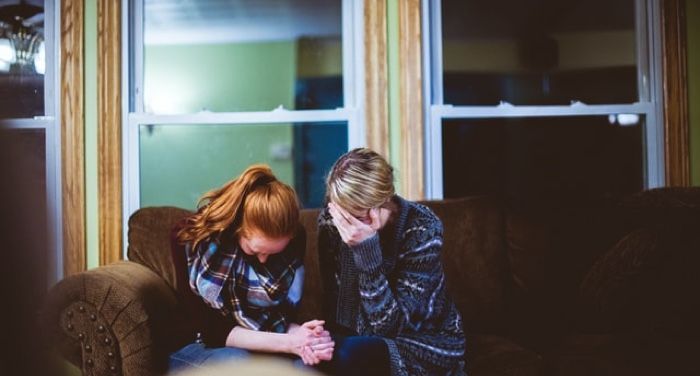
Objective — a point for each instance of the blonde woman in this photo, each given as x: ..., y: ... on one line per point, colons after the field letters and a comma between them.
x: 239, y: 272
x: 386, y: 303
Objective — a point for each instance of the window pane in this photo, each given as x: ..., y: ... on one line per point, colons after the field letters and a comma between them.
x: 242, y: 55
x: 24, y: 167
x: 22, y: 60
x: 539, y: 52
x: 179, y: 163
x: 588, y: 157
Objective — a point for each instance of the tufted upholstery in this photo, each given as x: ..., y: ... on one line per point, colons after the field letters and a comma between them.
x: 543, y: 290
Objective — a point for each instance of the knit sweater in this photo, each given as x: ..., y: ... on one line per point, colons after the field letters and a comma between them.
x: 392, y: 285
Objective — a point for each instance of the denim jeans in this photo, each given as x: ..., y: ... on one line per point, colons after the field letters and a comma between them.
x: 196, y: 355
x: 358, y: 355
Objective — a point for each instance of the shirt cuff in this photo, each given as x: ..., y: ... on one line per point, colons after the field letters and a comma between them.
x: 368, y: 254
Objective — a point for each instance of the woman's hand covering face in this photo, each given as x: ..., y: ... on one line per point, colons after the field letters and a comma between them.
x: 356, y: 228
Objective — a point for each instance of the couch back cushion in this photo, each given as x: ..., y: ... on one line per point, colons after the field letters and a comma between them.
x: 473, y: 256
x: 149, y: 239
x: 474, y: 260
x: 310, y: 306
x: 550, y: 249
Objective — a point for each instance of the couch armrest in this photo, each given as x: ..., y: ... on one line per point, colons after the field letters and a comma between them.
x: 118, y: 319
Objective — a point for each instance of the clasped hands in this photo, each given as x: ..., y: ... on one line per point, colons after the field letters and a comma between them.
x: 311, y: 342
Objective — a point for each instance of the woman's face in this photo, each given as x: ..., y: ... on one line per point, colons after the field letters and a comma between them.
x: 253, y: 243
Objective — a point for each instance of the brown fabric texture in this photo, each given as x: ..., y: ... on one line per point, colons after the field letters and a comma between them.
x: 609, y: 293
x: 475, y: 261
x: 496, y: 355
x: 620, y: 354
x: 149, y: 239
x: 310, y: 307
x: 118, y: 316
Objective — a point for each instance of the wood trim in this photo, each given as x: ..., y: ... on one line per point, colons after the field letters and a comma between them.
x: 109, y: 137
x: 675, y: 87
x: 72, y: 136
x: 411, y: 100
x: 376, y: 84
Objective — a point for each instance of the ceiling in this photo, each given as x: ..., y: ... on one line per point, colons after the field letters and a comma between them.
x: 222, y: 21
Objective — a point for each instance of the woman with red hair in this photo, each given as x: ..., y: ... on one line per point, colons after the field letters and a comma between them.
x: 240, y: 273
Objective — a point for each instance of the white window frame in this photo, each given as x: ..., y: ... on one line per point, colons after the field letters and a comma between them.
x: 649, y: 104
x: 50, y: 124
x: 132, y: 75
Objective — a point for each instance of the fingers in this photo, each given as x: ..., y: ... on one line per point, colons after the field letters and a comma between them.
x: 308, y: 356
x: 345, y: 218
x: 326, y: 354
x: 317, y: 353
x: 313, y: 324
x: 304, y: 355
x: 337, y: 211
x: 322, y: 347
x: 374, y: 217
x: 323, y: 333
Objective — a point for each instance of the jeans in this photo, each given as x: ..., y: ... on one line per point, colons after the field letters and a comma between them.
x: 358, y: 355
x: 196, y: 355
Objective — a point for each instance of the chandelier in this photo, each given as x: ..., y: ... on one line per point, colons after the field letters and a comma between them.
x: 22, y: 25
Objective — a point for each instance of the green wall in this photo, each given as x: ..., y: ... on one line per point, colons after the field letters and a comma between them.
x: 180, y: 163
x: 693, y: 33
x: 91, y: 144
x: 219, y: 77
x: 394, y: 88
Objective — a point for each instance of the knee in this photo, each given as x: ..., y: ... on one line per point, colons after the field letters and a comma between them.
x: 227, y: 353
x: 356, y: 352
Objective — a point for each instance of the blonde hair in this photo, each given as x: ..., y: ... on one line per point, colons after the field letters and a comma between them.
x: 255, y: 200
x: 360, y: 179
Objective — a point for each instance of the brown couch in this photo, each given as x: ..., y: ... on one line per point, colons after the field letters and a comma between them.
x: 543, y: 289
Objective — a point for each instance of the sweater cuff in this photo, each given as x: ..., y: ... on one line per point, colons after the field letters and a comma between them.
x: 368, y: 254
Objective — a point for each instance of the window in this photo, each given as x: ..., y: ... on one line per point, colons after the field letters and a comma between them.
x: 215, y: 88
x: 28, y: 116
x: 542, y: 99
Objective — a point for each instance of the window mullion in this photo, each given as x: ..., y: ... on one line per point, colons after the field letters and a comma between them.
x: 261, y: 117
x: 452, y: 112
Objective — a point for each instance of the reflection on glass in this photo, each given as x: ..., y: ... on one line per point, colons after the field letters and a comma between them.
x: 25, y: 171
x: 589, y: 157
x: 539, y: 53
x: 178, y: 163
x: 244, y: 56
x: 22, y: 59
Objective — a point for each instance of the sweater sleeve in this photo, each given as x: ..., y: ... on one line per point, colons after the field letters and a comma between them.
x: 409, y: 297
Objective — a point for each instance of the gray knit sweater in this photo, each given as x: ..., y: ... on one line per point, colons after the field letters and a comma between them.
x: 393, y: 286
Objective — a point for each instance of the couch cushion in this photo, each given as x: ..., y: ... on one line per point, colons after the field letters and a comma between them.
x: 610, y: 290
x: 609, y: 354
x: 149, y: 239
x: 495, y: 355
x: 550, y: 249
x: 474, y: 260
x: 647, y: 283
x: 310, y: 306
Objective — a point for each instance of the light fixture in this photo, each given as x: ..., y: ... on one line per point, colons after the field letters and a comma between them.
x: 22, y: 25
